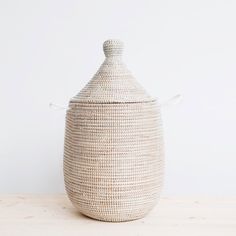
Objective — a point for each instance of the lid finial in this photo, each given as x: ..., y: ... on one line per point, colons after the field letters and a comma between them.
x: 113, y: 47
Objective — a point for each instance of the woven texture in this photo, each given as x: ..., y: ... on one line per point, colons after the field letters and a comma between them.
x: 113, y: 158
x: 113, y: 82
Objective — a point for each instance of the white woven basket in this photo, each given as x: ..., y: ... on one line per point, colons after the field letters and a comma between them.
x: 113, y: 159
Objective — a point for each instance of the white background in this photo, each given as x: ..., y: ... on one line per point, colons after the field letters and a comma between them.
x: 49, y: 49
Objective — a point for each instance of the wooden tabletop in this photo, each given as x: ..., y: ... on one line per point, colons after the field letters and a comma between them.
x: 54, y: 215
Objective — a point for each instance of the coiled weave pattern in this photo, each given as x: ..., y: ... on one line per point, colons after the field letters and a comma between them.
x: 113, y: 158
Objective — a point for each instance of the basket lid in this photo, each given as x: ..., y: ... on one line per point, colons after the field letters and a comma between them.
x: 113, y: 82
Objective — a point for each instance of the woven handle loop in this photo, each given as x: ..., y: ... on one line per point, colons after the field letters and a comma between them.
x: 172, y: 101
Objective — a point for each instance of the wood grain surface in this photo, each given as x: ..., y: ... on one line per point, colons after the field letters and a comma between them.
x: 54, y: 215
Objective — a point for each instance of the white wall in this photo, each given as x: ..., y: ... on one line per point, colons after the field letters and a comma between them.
x: 49, y: 49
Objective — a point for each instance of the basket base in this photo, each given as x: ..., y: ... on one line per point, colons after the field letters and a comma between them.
x: 113, y: 219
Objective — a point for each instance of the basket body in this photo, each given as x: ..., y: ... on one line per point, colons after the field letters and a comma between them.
x: 113, y: 158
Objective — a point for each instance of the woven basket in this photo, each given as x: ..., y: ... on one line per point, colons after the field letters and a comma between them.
x: 113, y: 158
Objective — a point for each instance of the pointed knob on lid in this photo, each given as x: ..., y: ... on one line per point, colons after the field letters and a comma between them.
x: 113, y: 47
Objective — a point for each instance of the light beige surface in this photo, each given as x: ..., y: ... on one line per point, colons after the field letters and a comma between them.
x: 54, y: 215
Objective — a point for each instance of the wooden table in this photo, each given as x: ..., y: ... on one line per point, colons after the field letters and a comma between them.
x: 54, y: 215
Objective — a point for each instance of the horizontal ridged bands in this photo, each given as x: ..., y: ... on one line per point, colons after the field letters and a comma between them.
x: 113, y: 159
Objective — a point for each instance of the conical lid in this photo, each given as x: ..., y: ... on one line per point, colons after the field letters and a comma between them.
x: 113, y: 82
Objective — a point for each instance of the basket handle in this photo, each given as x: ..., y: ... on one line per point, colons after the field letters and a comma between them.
x: 170, y: 102
x: 176, y: 99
